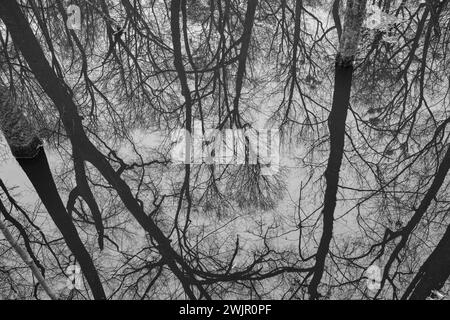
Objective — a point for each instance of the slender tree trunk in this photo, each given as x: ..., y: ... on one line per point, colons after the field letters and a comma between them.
x: 27, y: 148
x: 27, y: 259
x: 243, y: 56
x: 337, y: 18
x: 336, y: 124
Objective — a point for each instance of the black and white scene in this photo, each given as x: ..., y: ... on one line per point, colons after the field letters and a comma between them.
x: 249, y: 151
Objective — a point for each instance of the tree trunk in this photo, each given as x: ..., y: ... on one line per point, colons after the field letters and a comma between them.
x: 433, y: 273
x: 243, y: 55
x: 27, y: 148
x: 407, y: 231
x: 336, y: 124
x: 59, y: 93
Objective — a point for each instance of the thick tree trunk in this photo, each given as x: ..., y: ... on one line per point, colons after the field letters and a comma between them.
x: 38, y: 171
x: 336, y: 123
x: 59, y: 93
x: 407, y: 231
x: 436, y: 269
x: 27, y: 148
x: 433, y: 273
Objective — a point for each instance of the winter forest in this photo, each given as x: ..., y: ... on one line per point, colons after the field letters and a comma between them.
x: 341, y: 190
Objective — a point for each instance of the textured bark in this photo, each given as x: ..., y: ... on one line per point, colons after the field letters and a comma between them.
x: 354, y: 17
x: 27, y: 259
x: 36, y: 167
x: 336, y: 124
x: 19, y: 133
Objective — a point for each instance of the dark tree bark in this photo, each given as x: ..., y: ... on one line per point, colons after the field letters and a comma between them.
x: 433, y: 273
x: 336, y: 124
x: 406, y: 232
x: 436, y: 269
x: 336, y: 17
x: 243, y: 56
x: 60, y: 94
x: 27, y: 148
x: 85, y: 192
